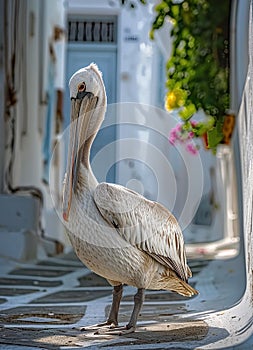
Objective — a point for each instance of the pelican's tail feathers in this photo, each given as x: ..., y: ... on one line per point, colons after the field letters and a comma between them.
x: 175, y: 284
x: 185, y: 289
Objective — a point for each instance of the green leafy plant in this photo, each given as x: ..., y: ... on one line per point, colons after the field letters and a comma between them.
x: 198, y: 69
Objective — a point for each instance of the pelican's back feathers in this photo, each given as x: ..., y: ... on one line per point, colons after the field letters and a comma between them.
x: 145, y: 224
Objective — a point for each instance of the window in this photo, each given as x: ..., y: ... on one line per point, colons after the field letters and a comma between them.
x: 92, y: 30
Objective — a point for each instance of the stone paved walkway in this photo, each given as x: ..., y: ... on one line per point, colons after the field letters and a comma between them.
x: 44, y: 305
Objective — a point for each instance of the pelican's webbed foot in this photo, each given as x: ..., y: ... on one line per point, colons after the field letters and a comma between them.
x: 120, y: 330
x: 110, y: 327
x: 112, y: 320
x: 130, y: 327
x: 100, y: 326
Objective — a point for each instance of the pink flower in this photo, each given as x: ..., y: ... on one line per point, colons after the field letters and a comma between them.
x: 194, y: 123
x: 172, y: 140
x: 178, y: 127
x: 191, y: 148
x: 178, y: 134
x: 173, y: 133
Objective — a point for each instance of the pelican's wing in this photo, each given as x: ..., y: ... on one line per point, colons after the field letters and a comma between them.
x: 144, y: 224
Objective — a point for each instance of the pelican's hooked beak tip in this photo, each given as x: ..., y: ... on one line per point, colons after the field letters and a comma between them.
x: 65, y: 216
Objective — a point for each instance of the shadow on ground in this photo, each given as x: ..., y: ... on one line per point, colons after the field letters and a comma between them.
x: 151, y: 334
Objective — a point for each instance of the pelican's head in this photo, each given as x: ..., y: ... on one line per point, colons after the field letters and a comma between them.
x: 88, y: 104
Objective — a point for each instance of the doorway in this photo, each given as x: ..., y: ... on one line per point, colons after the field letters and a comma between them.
x: 93, y: 39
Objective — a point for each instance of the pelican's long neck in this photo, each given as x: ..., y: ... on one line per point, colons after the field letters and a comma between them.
x: 86, y: 177
x: 86, y: 173
x: 88, y: 105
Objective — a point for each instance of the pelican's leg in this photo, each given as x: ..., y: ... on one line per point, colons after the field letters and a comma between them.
x: 112, y: 320
x: 130, y: 327
x: 138, y: 302
x: 113, y: 315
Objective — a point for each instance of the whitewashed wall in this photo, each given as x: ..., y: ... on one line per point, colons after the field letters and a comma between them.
x: 29, y: 33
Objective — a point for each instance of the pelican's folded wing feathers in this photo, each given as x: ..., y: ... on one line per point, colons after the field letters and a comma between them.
x: 144, y: 224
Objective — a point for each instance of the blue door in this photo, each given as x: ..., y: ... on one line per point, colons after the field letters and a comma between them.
x: 80, y: 55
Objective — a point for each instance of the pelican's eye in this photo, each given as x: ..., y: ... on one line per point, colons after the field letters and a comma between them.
x: 81, y: 91
x: 81, y: 87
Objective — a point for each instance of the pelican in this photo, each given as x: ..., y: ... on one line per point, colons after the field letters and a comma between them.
x: 116, y: 232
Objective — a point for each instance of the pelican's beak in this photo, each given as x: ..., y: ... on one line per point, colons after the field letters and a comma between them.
x: 82, y: 109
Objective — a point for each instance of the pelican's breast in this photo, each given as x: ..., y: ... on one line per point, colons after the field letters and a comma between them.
x: 103, y: 250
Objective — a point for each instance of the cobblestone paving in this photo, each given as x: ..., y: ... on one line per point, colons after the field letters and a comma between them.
x: 44, y: 305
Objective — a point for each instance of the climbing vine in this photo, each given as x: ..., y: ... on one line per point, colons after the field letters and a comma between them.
x: 198, y: 69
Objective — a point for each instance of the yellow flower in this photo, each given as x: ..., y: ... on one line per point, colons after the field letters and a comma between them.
x: 170, y: 102
x: 175, y: 99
